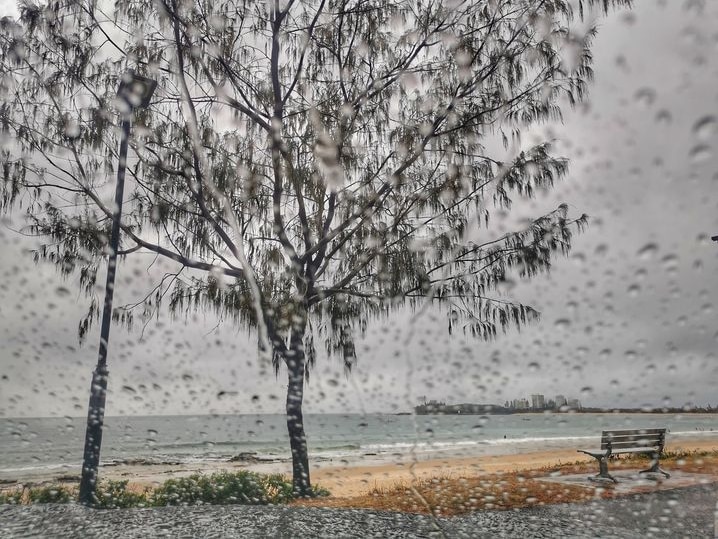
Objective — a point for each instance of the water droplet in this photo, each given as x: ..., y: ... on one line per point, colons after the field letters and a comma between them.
x: 645, y: 97
x: 629, y: 18
x: 534, y: 366
x: 700, y: 154
x: 648, y: 251
x: 562, y: 323
x: 669, y: 261
x: 664, y: 117
x: 62, y: 292
x: 705, y: 128
x: 72, y: 129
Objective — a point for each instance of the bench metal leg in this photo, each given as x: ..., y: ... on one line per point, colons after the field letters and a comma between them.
x: 655, y: 468
x: 603, y: 471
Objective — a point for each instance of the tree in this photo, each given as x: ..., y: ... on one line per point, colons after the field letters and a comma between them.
x: 310, y: 166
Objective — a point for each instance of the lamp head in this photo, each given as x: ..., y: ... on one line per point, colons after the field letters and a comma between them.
x: 136, y: 90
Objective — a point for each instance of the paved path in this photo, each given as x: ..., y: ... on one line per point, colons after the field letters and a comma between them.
x: 687, y: 512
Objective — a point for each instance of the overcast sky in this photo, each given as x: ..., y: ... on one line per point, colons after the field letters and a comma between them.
x: 628, y: 319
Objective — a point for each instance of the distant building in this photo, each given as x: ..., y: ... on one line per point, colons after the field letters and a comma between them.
x: 560, y: 401
x: 520, y: 404
x: 538, y: 402
x: 574, y: 404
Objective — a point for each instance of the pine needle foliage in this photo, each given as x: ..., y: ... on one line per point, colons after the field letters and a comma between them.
x: 310, y: 165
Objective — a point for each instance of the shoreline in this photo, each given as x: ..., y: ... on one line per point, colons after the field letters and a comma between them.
x: 353, y: 477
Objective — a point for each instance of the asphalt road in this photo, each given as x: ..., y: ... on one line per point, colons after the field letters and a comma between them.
x: 687, y: 512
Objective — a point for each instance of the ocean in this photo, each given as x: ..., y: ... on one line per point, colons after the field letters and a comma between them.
x: 35, y: 445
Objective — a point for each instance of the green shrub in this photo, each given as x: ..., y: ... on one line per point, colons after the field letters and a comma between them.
x: 52, y: 494
x: 114, y: 495
x: 277, y: 488
x: 320, y: 492
x: 223, y: 488
x: 11, y: 497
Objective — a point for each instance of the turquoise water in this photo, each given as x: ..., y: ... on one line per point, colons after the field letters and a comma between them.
x: 47, y: 443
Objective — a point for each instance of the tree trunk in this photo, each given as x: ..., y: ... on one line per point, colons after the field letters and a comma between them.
x: 295, y: 423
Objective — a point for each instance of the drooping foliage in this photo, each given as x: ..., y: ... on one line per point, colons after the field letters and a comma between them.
x: 345, y: 155
x: 309, y: 165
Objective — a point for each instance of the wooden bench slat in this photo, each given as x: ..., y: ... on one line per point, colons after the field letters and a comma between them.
x: 633, y: 434
x: 619, y: 447
x: 632, y: 438
x: 636, y: 450
x: 635, y: 431
x: 636, y: 441
x: 629, y: 438
x: 635, y: 437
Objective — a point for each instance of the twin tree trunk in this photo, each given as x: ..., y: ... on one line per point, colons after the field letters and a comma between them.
x: 294, y: 358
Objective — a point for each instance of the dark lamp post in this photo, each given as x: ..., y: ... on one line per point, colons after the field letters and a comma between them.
x: 135, y: 92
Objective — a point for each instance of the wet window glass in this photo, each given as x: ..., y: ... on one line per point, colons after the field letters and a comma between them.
x: 316, y: 268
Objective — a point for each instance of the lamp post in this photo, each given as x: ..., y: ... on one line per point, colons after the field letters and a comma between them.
x: 134, y: 92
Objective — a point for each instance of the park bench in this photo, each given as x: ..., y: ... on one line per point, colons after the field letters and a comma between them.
x: 617, y: 442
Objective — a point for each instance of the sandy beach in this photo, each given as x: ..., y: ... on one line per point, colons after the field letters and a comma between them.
x: 354, y: 478
x: 357, y: 480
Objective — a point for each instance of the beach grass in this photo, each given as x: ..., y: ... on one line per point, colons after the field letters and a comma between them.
x: 448, y: 495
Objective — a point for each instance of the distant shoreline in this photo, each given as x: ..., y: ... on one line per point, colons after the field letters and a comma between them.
x: 489, y: 409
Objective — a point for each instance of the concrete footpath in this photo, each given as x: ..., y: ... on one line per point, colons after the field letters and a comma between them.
x: 683, y: 512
